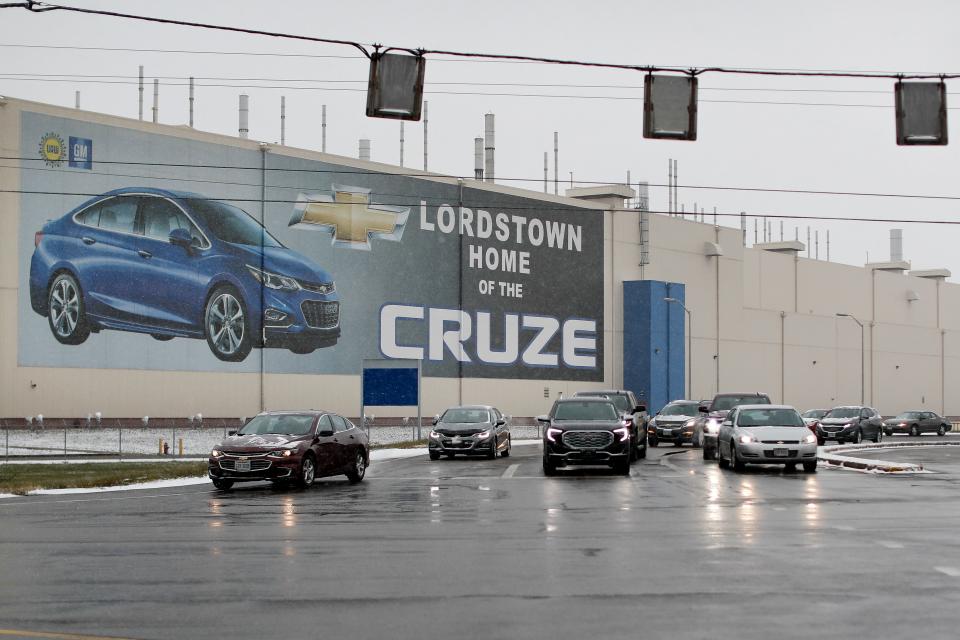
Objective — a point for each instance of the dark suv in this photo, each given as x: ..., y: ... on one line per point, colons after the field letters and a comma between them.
x: 636, y: 411
x: 850, y: 424
x: 708, y: 424
x: 585, y: 431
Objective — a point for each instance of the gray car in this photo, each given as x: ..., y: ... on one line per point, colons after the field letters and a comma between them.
x: 766, y: 434
x: 470, y: 430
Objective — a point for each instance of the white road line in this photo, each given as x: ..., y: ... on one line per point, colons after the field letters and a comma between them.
x: 512, y: 469
x: 953, y: 572
x: 889, y: 544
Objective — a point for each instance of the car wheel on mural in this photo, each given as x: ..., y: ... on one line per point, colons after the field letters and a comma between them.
x: 65, y: 310
x: 171, y: 264
x: 227, y: 326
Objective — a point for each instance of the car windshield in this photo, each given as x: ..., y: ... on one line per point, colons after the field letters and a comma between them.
x: 769, y: 418
x: 465, y: 415
x: 679, y: 410
x: 231, y: 224
x: 619, y: 401
x: 725, y: 403
x: 287, y: 424
x: 585, y: 411
x: 908, y: 415
x: 843, y: 412
x: 814, y: 413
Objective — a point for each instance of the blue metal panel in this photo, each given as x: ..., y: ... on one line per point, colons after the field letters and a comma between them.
x: 389, y: 387
x: 654, y: 348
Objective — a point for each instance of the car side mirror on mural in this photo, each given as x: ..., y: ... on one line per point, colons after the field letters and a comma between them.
x: 181, y: 237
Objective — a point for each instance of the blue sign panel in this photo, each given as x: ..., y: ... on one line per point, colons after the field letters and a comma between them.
x: 390, y: 387
x: 81, y: 153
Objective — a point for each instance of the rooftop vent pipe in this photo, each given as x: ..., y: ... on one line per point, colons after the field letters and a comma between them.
x: 244, y: 115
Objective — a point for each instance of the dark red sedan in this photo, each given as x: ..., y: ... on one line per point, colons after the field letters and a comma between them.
x: 291, y: 446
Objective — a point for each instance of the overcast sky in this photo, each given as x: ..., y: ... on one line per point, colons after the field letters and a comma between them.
x: 745, y: 142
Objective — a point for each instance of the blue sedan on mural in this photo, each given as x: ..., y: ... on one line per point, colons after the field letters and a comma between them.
x: 173, y: 264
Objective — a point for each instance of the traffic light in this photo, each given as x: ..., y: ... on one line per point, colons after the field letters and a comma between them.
x: 670, y: 107
x: 921, y: 113
x: 395, y: 89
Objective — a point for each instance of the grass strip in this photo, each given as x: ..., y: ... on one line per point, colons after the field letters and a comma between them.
x: 23, y: 478
x: 404, y: 444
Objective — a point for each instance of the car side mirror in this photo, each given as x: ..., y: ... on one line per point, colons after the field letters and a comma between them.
x: 232, y: 432
x: 640, y: 408
x: 543, y: 418
x: 181, y: 237
x: 703, y: 409
x: 501, y: 422
x: 324, y: 433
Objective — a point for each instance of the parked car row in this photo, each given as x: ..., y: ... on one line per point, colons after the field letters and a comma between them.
x: 856, y: 423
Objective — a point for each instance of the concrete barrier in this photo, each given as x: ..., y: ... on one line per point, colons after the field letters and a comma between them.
x: 832, y: 456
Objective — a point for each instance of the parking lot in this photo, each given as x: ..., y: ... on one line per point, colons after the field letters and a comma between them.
x: 493, y: 549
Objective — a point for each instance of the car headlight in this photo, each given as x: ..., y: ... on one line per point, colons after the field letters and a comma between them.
x: 746, y: 439
x: 281, y: 453
x: 552, y: 433
x: 273, y: 280
x: 652, y: 423
x: 690, y: 423
x: 623, y: 432
x: 483, y: 435
x: 712, y: 426
x: 809, y: 439
x: 216, y: 453
x: 434, y: 435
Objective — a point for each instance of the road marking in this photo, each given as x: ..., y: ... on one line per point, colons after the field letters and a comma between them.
x: 55, y: 636
x: 512, y: 469
x: 889, y: 544
x: 953, y: 572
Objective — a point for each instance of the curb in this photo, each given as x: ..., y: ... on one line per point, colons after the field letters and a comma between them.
x: 829, y: 456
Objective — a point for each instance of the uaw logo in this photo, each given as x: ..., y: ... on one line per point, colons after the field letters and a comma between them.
x: 348, y: 215
x: 53, y: 150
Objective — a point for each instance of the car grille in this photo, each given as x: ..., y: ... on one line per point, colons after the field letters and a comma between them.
x: 832, y: 428
x: 462, y: 434
x: 321, y: 315
x: 463, y: 444
x: 587, y: 439
x: 255, y: 465
x: 317, y: 287
x: 780, y: 441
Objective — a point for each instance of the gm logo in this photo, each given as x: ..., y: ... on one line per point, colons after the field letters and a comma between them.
x: 81, y: 153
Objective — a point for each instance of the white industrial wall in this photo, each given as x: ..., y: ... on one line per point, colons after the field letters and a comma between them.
x: 760, y: 321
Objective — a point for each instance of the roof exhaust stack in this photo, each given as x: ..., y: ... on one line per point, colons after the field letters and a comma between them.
x: 896, y: 245
x: 478, y: 158
x: 244, y: 115
x: 365, y: 149
x: 489, y: 148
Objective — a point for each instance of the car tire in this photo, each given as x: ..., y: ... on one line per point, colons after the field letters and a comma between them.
x: 358, y: 469
x: 224, y: 315
x: 549, y: 469
x: 634, y: 456
x: 307, y: 473
x: 622, y: 467
x: 160, y: 337
x: 709, y: 453
x: 942, y: 431
x: 506, y: 452
x: 914, y: 430
x: 790, y: 466
x: 434, y: 455
x: 653, y: 442
x: 821, y: 442
x: 678, y: 442
x: 65, y: 311
x: 492, y: 454
x: 697, y: 440
x: 222, y: 484
x: 878, y: 437
x: 810, y: 467
x: 642, y: 451
x: 735, y: 463
x: 857, y: 436
x: 723, y: 462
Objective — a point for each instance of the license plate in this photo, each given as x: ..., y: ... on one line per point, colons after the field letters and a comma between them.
x: 667, y: 432
x: 242, y: 465
x: 456, y: 440
x: 781, y: 453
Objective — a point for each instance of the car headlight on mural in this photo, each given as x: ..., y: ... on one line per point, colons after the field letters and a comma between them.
x: 273, y: 280
x: 170, y: 265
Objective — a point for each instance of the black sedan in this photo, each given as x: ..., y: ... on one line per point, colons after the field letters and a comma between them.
x: 470, y: 430
x: 290, y: 446
x: 585, y: 431
x: 850, y: 424
x: 916, y: 423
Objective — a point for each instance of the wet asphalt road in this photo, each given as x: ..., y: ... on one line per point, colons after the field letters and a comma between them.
x: 493, y: 549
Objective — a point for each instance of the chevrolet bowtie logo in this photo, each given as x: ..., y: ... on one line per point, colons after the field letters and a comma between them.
x: 349, y: 216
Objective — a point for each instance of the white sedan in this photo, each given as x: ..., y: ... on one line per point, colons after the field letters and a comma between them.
x: 766, y: 434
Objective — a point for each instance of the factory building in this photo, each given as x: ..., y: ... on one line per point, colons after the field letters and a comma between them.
x: 158, y: 270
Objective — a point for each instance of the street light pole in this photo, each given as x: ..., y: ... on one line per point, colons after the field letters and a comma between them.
x: 862, y: 349
x: 689, y: 345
